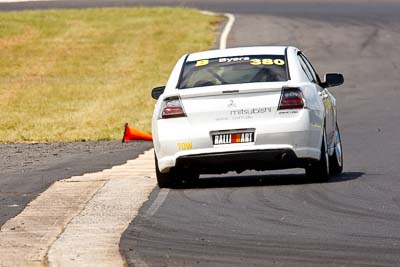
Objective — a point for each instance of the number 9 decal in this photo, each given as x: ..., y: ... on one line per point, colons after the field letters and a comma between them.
x: 200, y: 63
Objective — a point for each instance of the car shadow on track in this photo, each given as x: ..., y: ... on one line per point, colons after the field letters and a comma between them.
x: 263, y: 180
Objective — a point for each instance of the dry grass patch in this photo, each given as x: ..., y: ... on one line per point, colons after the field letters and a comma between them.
x: 69, y: 75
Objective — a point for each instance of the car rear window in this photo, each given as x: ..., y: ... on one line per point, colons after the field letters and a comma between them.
x: 233, y: 70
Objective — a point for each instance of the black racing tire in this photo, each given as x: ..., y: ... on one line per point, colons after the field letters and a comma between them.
x: 164, y: 180
x: 319, y: 170
x: 336, y: 160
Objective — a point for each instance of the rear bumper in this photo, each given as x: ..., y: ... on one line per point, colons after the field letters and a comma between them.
x: 299, y: 136
x: 240, y: 161
x: 239, y: 158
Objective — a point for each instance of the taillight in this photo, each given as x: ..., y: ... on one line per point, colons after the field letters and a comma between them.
x: 291, y: 98
x: 172, y: 108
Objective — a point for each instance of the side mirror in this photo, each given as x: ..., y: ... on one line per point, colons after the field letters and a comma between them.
x: 333, y: 79
x: 156, y: 92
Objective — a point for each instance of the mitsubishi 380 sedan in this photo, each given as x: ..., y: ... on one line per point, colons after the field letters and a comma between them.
x: 247, y: 108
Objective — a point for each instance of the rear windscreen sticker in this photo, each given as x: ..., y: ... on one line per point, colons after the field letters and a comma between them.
x: 202, y: 62
x: 267, y: 61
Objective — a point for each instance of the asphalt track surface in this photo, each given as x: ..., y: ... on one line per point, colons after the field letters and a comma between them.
x: 274, y: 218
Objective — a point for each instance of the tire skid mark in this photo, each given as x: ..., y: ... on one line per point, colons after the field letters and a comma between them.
x: 196, y: 197
x: 269, y: 203
x: 313, y: 252
x: 370, y: 38
x: 213, y: 247
x: 322, y: 200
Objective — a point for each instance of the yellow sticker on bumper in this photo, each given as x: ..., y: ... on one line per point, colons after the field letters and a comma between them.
x: 184, y: 145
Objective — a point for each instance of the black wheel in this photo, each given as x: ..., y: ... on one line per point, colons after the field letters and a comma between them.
x: 336, y: 160
x: 319, y: 171
x: 164, y: 180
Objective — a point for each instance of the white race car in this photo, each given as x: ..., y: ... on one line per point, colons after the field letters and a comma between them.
x: 260, y: 108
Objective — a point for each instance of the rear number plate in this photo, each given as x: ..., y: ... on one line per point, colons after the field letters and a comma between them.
x: 232, y: 138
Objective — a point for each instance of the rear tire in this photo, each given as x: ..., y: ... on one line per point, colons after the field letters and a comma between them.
x: 336, y: 160
x: 164, y: 180
x: 319, y: 171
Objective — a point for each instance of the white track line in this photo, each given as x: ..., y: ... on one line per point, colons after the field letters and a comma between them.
x: 228, y: 26
x: 227, y: 29
x: 162, y: 195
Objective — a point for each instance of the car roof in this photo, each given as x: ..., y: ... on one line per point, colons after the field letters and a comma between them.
x: 237, y: 52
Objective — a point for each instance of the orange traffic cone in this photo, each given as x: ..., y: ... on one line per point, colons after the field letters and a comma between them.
x: 133, y: 134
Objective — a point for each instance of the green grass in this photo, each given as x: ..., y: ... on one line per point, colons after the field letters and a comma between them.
x: 68, y: 75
